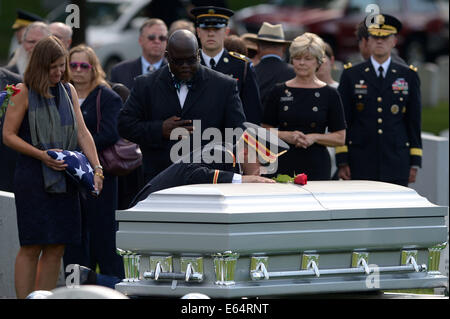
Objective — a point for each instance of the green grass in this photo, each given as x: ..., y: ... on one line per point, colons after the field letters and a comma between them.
x: 435, y: 119
x: 429, y: 291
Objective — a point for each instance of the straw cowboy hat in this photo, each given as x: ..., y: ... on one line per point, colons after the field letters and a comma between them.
x: 248, y: 39
x: 270, y: 33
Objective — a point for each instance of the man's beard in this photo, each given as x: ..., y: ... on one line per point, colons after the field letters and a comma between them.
x: 20, y: 59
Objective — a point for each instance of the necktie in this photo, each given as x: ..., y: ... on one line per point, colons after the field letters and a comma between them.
x: 150, y: 68
x: 212, y: 63
x: 380, y: 74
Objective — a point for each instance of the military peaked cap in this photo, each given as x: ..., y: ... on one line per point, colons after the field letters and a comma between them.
x: 25, y: 18
x: 383, y: 25
x: 211, y: 17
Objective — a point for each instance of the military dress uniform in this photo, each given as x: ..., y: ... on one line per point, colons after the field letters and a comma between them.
x: 384, y: 122
x: 235, y: 65
x: 240, y: 67
x: 217, y: 162
x: 194, y: 170
x: 383, y: 114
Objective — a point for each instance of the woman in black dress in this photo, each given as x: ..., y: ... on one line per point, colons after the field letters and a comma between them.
x: 98, y: 214
x: 307, y: 113
x: 46, y: 115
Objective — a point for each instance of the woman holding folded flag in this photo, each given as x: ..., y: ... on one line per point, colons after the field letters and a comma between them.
x: 45, y: 115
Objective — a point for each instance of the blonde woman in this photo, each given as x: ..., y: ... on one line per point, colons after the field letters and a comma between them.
x: 99, y: 226
x: 45, y: 115
x: 302, y: 109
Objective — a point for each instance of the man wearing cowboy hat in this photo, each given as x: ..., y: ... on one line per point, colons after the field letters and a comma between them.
x: 212, y: 28
x: 271, y: 49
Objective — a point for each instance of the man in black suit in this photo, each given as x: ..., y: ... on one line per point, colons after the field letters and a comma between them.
x: 173, y: 97
x: 272, y: 68
x: 215, y: 163
x: 383, y: 108
x: 8, y: 157
x: 211, y: 23
x: 153, y: 41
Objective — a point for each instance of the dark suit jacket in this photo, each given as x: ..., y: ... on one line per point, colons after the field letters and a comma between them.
x: 270, y: 71
x: 213, y: 99
x: 8, y: 157
x: 13, y: 69
x: 383, y: 122
x: 126, y: 71
x: 193, y: 169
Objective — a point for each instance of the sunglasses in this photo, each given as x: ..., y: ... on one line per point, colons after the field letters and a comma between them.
x: 152, y: 37
x: 188, y: 61
x: 82, y: 65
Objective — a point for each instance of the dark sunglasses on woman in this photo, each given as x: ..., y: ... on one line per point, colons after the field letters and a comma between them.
x: 81, y: 65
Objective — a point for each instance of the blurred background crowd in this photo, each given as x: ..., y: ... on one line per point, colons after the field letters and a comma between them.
x: 111, y: 26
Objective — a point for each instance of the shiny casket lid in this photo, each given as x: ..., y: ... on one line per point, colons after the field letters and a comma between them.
x: 257, y: 202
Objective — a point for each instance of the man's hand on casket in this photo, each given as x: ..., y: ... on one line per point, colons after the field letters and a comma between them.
x: 256, y: 179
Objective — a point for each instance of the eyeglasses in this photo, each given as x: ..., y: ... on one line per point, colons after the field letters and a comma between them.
x: 188, y: 61
x: 82, y: 65
x: 152, y: 37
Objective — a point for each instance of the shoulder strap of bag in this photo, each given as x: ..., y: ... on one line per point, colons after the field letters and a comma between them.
x: 99, y: 114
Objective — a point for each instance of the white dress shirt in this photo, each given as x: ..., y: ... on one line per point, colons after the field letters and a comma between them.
x: 207, y: 58
x: 182, y: 94
x: 146, y: 64
x: 376, y: 66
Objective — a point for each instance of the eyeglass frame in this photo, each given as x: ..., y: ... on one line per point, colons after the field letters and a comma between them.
x: 153, y: 37
x: 82, y: 65
x: 188, y: 61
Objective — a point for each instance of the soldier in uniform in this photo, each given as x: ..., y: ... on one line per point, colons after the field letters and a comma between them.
x: 223, y: 163
x: 211, y: 23
x: 382, y: 106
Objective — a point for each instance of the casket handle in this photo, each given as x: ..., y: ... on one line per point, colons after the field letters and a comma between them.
x: 189, y: 276
x: 191, y: 269
x: 363, y: 263
x: 259, y: 269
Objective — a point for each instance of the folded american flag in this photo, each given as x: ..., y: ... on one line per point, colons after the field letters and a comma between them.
x: 78, y: 167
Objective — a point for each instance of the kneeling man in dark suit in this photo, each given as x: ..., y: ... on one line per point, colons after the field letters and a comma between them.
x: 255, y: 153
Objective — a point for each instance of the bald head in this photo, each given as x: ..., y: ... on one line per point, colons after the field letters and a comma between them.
x: 182, y: 53
x: 63, y: 32
x: 183, y: 40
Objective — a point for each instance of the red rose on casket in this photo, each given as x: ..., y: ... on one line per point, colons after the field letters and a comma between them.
x: 301, y: 179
